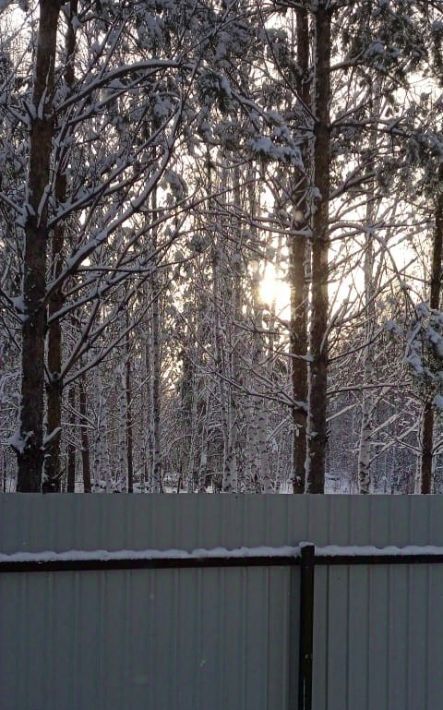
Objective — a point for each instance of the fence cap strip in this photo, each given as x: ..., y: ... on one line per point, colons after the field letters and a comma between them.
x: 372, y: 551
x: 219, y: 556
x: 46, y: 556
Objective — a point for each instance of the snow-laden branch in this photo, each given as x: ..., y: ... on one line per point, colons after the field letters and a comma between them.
x: 152, y: 65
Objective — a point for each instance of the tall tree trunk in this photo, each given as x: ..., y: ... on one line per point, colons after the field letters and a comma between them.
x: 298, y: 335
x: 427, y: 431
x: 54, y: 385
x: 30, y: 440
x: 318, y: 370
x: 86, y: 467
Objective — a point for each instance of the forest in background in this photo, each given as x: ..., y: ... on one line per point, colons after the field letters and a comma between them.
x: 221, y: 233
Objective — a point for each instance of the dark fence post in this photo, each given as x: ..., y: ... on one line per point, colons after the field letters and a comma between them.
x: 307, y: 570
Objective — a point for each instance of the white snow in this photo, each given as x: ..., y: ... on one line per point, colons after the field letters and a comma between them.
x: 370, y: 550
x: 172, y: 554
x: 17, y: 442
x: 219, y: 553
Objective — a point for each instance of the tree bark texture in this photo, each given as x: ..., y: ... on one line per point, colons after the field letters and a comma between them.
x: 427, y: 431
x: 297, y: 265
x: 318, y: 369
x: 54, y: 385
x: 30, y: 446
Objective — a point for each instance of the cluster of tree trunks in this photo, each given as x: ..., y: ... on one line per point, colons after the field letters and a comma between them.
x: 136, y: 230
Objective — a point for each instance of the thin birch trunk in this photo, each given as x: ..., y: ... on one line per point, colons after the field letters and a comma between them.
x: 203, y: 474
x: 129, y: 422
x: 367, y: 409
x: 231, y: 481
x: 189, y: 398
x: 120, y: 427
x: 256, y: 405
x: 99, y: 474
x: 149, y: 448
x: 156, y: 404
x: 156, y: 485
x: 218, y: 282
x: 227, y: 355
x: 71, y: 448
x: 86, y: 467
x: 220, y: 369
x: 201, y: 395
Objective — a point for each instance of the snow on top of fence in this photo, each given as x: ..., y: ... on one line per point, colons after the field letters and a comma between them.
x: 285, y: 551
x: 372, y: 551
x: 172, y: 554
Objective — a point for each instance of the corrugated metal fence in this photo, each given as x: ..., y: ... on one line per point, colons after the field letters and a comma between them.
x: 207, y: 639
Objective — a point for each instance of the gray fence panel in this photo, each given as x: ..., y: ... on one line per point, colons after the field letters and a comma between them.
x: 383, y: 626
x: 143, y: 639
x: 216, y: 639
x: 32, y: 522
x: 384, y: 636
